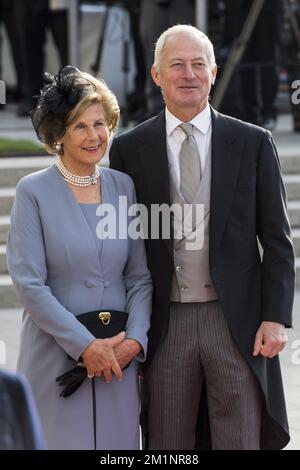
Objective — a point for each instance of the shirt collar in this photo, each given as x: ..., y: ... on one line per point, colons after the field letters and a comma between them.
x: 202, y: 121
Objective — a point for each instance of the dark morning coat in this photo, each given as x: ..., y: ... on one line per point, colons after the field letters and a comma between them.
x: 248, y: 203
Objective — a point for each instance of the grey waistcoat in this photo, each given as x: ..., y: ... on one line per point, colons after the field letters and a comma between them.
x: 191, y: 280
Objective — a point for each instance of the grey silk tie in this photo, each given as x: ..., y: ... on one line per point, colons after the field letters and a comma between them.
x: 190, y: 169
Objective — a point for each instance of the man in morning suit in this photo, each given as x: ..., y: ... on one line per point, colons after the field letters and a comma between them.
x: 220, y: 312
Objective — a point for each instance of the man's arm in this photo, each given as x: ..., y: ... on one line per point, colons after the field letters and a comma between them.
x: 278, y: 272
x: 274, y: 233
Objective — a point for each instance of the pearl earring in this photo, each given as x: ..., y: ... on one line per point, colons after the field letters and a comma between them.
x: 60, y: 148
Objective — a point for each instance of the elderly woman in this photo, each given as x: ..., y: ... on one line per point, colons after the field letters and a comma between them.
x: 63, y: 267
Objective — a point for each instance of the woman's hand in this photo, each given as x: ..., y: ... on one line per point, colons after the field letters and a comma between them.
x: 126, y: 351
x: 99, y: 357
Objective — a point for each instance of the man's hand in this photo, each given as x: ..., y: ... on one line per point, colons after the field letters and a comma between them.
x: 270, y: 339
x: 126, y: 351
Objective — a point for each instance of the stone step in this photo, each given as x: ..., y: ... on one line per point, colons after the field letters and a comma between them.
x: 4, y: 226
x: 4, y: 269
x: 13, y: 169
x: 292, y: 186
x: 294, y: 213
x: 290, y: 164
x: 3, y: 265
x: 298, y: 273
x: 7, y: 196
x: 296, y: 241
x: 8, y: 298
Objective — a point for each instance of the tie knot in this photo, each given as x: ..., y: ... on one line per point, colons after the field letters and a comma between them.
x: 187, y: 128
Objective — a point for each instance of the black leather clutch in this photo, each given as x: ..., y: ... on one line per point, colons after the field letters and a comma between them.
x: 105, y: 323
x: 102, y: 324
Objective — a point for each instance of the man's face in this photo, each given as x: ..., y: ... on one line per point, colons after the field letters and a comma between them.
x: 185, y: 75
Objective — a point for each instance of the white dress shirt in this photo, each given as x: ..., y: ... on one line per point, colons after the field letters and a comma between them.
x: 175, y: 137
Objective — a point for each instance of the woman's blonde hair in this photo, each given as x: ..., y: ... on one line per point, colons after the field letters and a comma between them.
x: 102, y: 95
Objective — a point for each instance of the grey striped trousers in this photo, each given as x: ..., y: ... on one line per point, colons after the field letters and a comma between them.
x: 199, y: 348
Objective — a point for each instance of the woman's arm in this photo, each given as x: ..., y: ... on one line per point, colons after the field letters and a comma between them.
x: 27, y: 266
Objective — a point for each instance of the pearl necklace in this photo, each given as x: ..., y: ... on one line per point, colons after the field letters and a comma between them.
x: 76, y: 180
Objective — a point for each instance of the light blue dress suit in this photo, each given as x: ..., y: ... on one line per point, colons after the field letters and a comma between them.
x: 58, y: 273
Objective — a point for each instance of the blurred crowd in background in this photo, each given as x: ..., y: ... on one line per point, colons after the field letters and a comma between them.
x: 271, y: 60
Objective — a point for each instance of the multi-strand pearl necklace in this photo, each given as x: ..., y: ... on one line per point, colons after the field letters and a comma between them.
x: 76, y: 180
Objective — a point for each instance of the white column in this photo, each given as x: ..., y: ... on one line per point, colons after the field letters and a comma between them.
x: 201, y: 15
x: 74, y: 39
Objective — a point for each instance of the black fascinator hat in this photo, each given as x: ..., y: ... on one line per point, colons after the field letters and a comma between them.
x: 59, y: 95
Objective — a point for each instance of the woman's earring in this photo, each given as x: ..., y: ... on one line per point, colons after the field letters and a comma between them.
x: 60, y: 148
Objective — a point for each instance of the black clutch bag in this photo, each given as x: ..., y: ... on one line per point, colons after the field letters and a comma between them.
x: 102, y: 324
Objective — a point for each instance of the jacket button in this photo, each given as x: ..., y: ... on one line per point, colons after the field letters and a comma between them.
x: 178, y: 268
x: 106, y: 283
x: 89, y: 284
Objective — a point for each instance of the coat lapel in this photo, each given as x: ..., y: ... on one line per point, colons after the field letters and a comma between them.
x: 226, y: 155
x: 154, y: 160
x: 154, y: 163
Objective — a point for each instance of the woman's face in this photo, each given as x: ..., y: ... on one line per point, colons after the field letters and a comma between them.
x: 85, y: 140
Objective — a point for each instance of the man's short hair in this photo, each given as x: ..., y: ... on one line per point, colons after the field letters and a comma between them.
x: 183, y: 28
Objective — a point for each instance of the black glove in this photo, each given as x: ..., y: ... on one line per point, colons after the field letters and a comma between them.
x: 72, y: 379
